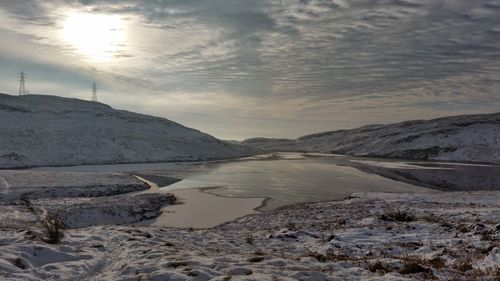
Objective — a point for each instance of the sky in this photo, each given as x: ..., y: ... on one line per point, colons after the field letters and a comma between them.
x: 272, y: 68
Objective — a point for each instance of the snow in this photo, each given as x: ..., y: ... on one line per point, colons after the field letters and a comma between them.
x: 469, y: 138
x: 85, y: 211
x: 18, y: 184
x: 77, y: 199
x: 374, y: 236
x: 53, y: 131
x: 274, y: 156
x: 396, y: 165
x: 346, y: 240
x: 459, y: 164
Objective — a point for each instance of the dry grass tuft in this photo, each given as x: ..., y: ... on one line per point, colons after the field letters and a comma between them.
x: 398, y: 215
x: 418, y: 265
x: 256, y: 259
x: 54, y: 229
x: 329, y: 256
x: 437, y: 262
x: 378, y: 266
x: 478, y: 274
x: 429, y: 217
x: 249, y: 239
x: 463, y: 265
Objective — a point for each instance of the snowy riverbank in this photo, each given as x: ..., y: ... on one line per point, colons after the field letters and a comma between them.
x: 77, y: 199
x: 375, y: 236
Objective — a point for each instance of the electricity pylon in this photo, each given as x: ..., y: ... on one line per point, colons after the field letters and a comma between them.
x: 22, y: 84
x: 94, y: 92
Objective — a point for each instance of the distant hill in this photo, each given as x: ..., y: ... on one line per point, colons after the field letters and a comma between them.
x: 38, y: 130
x: 474, y: 138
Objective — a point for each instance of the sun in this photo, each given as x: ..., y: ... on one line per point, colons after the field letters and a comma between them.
x: 98, y: 37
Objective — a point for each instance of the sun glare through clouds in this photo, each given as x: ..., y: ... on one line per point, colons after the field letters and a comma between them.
x: 98, y: 37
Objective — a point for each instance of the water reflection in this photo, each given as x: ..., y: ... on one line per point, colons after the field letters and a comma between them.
x: 452, y: 177
x: 293, y: 178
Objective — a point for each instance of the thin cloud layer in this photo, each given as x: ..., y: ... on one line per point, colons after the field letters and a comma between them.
x: 273, y: 68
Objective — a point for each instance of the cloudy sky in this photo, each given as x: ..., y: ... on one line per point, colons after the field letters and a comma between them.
x: 275, y: 68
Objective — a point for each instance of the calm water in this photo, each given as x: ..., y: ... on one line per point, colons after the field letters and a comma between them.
x: 292, y: 177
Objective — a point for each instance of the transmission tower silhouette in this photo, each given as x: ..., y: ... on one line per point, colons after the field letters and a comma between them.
x: 94, y: 92
x: 22, y: 84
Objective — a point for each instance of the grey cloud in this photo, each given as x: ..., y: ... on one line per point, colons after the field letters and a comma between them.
x: 30, y: 11
x: 323, y: 50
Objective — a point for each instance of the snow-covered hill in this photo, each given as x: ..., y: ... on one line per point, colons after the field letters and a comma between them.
x: 458, y: 138
x: 38, y: 130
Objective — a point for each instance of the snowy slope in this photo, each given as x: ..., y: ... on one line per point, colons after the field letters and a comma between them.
x: 456, y: 138
x: 442, y: 237
x: 40, y: 130
x: 22, y: 184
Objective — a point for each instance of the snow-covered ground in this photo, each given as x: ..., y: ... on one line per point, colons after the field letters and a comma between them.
x: 22, y: 184
x: 40, y: 130
x: 474, y: 138
x: 440, y: 236
x: 77, y: 199
x: 395, y: 165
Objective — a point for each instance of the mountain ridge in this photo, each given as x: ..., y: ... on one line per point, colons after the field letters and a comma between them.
x: 40, y: 130
x: 471, y: 138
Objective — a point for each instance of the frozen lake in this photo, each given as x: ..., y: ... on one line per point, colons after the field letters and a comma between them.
x: 287, y: 178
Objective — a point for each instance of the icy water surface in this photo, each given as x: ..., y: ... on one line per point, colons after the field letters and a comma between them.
x: 293, y: 177
x: 288, y: 178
